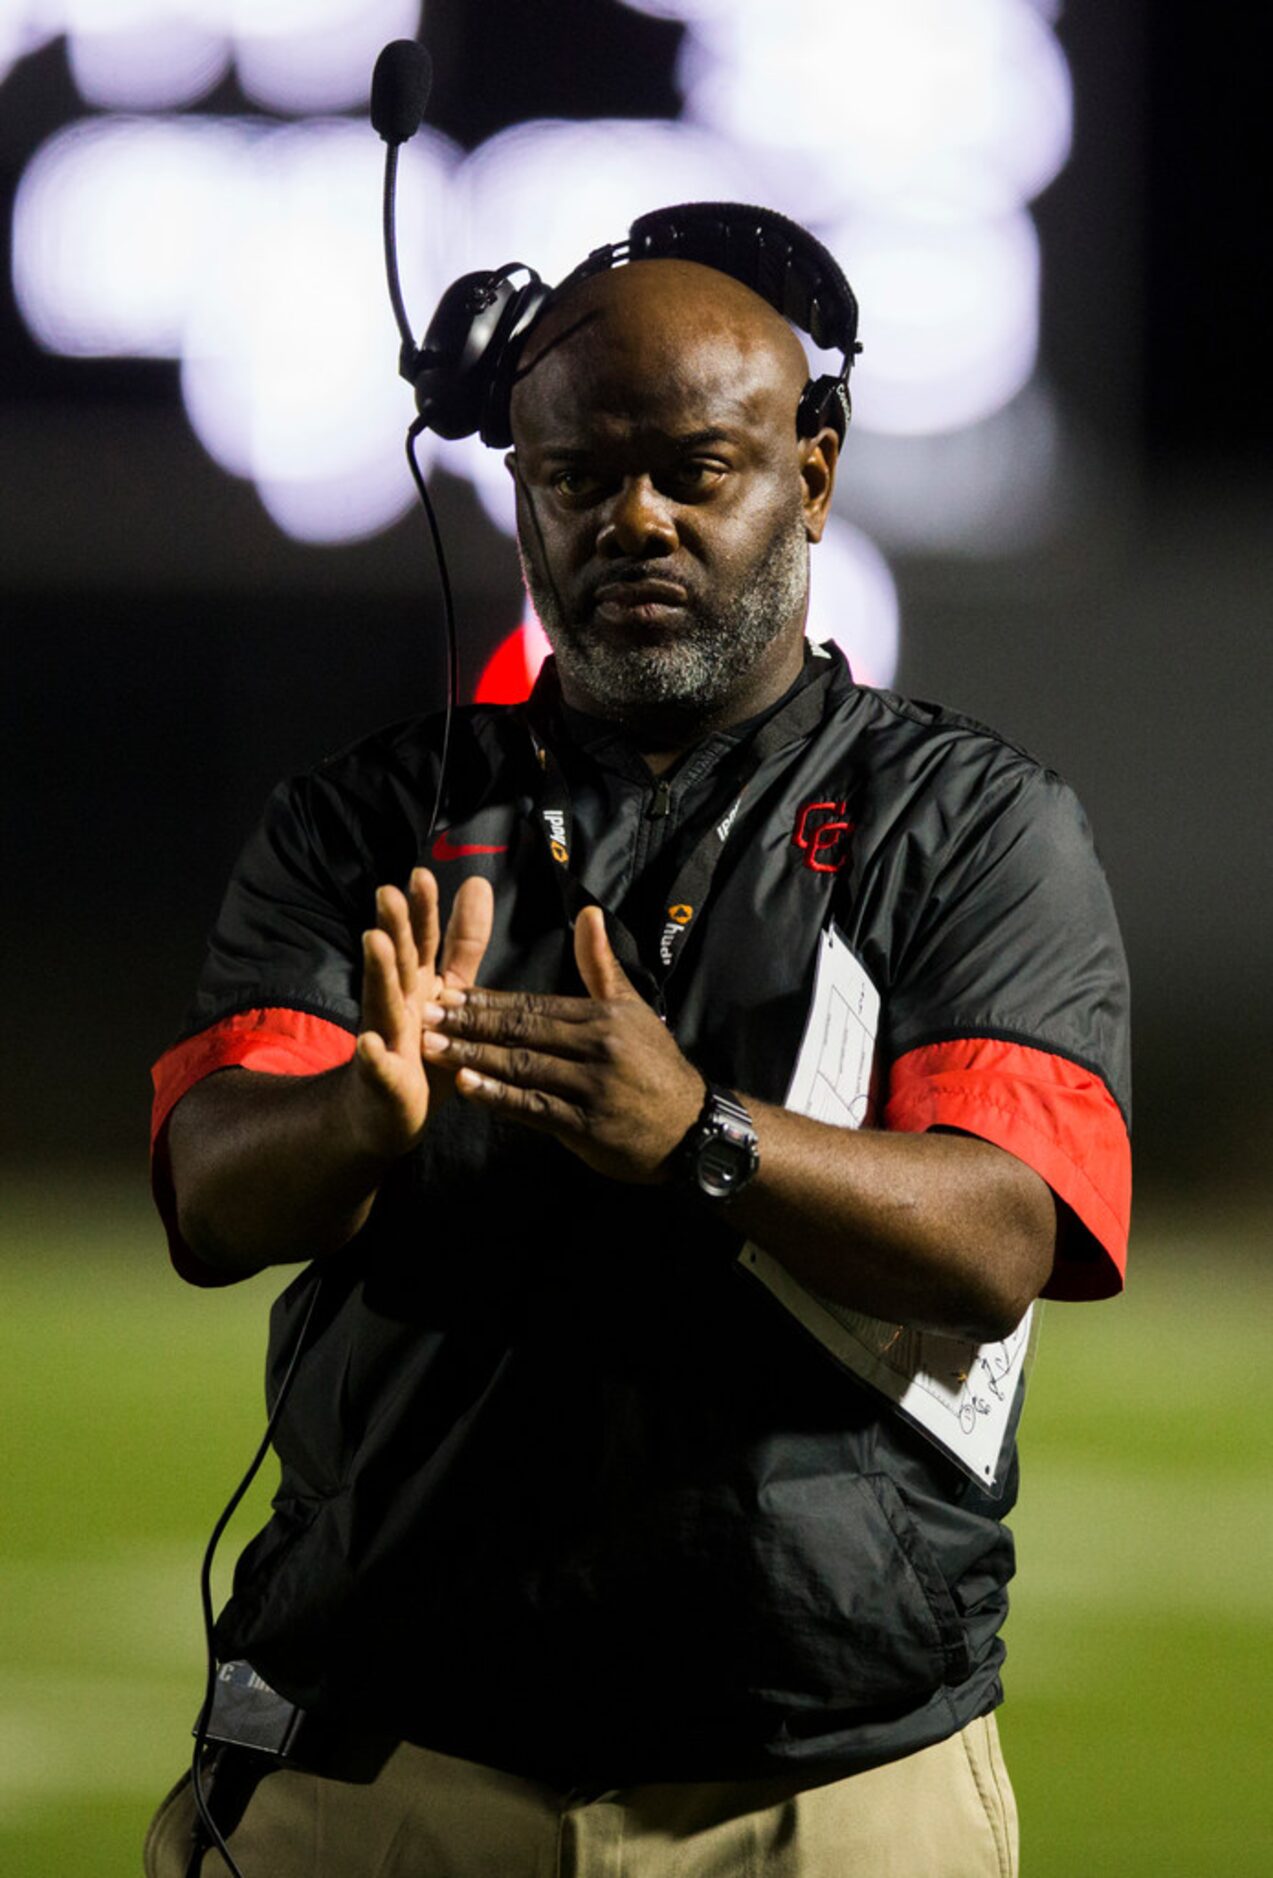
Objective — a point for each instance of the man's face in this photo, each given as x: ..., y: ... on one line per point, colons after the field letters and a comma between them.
x: 664, y: 509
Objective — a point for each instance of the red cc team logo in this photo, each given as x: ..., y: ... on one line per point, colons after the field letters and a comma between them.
x: 822, y: 831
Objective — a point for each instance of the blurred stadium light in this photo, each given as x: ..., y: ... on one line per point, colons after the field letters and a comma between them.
x: 958, y: 106
x: 313, y: 55
x: 911, y: 138
x: 126, y: 55
x: 246, y: 251
x: 566, y: 187
x: 293, y: 56
x: 954, y: 317
x: 852, y: 600
x: 985, y: 488
x: 112, y: 222
x: 286, y: 373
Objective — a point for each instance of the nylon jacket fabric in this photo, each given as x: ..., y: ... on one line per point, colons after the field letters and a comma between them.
x: 563, y: 1489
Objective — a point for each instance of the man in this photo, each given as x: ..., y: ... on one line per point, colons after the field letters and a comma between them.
x: 584, y: 1558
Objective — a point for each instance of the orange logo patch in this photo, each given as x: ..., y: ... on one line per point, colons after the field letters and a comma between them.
x: 681, y: 914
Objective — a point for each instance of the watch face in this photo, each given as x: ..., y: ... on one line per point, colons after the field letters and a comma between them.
x: 727, y: 1159
x: 720, y: 1155
x: 724, y: 1165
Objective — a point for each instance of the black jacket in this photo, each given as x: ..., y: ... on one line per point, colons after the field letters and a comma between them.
x: 563, y: 1488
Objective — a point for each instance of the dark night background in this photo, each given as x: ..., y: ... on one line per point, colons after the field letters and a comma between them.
x: 168, y: 654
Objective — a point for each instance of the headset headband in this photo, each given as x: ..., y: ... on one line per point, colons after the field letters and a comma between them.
x: 766, y: 251
x: 465, y: 370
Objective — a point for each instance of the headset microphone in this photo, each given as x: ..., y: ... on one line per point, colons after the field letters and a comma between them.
x: 400, y: 87
x: 400, y: 84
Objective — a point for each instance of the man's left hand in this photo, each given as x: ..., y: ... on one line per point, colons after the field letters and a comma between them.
x: 601, y: 1073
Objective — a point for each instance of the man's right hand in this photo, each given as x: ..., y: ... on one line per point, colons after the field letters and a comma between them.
x: 271, y: 1168
x: 391, y: 1089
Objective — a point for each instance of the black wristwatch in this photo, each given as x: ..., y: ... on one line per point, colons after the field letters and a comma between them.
x: 719, y: 1155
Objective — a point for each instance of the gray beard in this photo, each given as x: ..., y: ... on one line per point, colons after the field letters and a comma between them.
x: 694, y: 673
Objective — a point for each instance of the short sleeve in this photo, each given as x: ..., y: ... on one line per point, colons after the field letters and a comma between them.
x: 280, y: 985
x: 1009, y: 1015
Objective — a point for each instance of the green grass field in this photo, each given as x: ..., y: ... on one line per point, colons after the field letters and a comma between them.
x: 1140, y: 1676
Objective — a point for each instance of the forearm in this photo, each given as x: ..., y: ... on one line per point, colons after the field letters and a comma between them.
x: 939, y: 1231
x: 270, y: 1169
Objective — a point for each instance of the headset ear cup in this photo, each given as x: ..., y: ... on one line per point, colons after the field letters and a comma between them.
x: 824, y: 401
x: 443, y: 390
x: 505, y: 354
x: 442, y: 403
x: 465, y: 346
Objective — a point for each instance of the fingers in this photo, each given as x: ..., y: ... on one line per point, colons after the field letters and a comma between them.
x: 412, y: 923
x: 615, y: 1091
x: 389, y: 1098
x: 602, y: 974
x: 531, y: 1017
x: 394, y: 919
x: 532, y: 1108
x: 388, y: 1109
x: 422, y: 899
x: 468, y: 931
x: 373, y: 1054
x: 547, y: 1061
x: 401, y: 963
x: 544, y: 1073
x: 536, y: 1056
x: 384, y: 1008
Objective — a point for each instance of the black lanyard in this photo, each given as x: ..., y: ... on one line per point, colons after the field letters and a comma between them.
x: 554, y: 814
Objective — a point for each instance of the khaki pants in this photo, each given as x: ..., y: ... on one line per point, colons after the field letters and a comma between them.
x: 946, y: 1812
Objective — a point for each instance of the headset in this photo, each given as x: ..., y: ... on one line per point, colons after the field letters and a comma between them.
x: 464, y: 371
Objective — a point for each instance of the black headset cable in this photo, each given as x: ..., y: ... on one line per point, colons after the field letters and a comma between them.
x: 205, y: 1582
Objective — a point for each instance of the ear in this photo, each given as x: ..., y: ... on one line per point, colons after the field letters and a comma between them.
x: 510, y: 464
x: 818, y: 458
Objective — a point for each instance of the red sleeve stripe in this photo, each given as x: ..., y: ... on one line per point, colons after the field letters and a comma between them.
x: 276, y: 1040
x: 1056, y: 1116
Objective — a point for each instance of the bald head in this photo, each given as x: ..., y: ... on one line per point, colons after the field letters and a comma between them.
x: 629, y: 330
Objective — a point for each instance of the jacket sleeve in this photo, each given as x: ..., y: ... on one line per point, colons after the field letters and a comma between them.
x: 1008, y: 1017
x: 280, y: 986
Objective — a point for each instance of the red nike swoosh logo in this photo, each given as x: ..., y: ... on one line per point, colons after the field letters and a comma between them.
x: 445, y: 850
